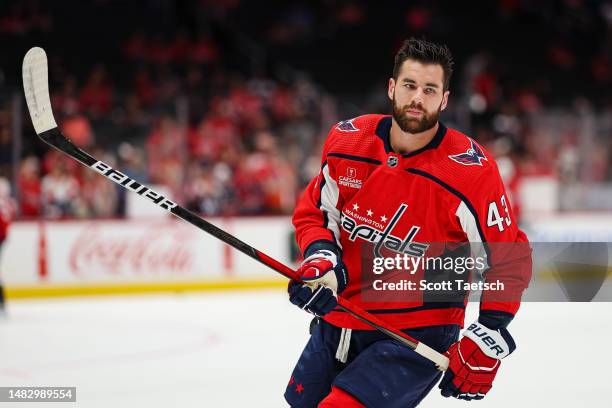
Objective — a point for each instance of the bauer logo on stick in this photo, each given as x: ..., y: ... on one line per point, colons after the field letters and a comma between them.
x: 133, y: 185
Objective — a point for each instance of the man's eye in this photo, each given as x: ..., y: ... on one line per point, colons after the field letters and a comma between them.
x: 430, y: 91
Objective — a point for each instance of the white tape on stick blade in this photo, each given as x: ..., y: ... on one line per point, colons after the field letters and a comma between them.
x: 36, y: 89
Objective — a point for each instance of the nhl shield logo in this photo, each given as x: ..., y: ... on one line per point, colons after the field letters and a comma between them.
x: 392, y: 161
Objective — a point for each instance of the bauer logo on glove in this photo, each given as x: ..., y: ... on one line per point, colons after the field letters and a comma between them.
x: 474, y: 361
x: 493, y: 343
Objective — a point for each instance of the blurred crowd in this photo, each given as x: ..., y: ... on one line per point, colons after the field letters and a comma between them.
x: 239, y: 156
x: 206, y: 106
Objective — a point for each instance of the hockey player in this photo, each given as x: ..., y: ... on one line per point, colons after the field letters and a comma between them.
x: 391, y: 185
x: 7, y: 209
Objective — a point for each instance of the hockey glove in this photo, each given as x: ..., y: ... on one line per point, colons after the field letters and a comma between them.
x: 324, y: 276
x: 474, y: 360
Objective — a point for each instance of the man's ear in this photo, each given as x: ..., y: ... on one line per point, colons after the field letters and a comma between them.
x: 444, y: 100
x: 391, y: 89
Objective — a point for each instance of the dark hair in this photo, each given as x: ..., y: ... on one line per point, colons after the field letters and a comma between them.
x: 427, y: 53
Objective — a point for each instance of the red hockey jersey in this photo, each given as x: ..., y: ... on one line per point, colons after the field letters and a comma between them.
x: 448, y: 192
x: 7, y: 211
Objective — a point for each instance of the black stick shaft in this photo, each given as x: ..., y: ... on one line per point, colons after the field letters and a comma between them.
x: 56, y: 139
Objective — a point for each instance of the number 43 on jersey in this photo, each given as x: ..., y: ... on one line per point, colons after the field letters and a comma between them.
x: 495, y: 219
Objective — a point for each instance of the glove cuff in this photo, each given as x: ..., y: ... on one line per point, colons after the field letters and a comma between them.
x: 496, y: 344
x: 495, y: 319
x: 322, y: 244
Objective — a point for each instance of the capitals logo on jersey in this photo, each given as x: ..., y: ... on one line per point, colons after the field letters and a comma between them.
x: 371, y: 231
x: 473, y: 156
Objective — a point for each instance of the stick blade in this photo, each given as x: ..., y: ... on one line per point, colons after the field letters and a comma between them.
x: 36, y: 89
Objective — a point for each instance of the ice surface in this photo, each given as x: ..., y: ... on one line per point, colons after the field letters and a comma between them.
x: 237, y: 349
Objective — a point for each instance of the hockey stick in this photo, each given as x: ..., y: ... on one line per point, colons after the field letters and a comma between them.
x: 36, y: 89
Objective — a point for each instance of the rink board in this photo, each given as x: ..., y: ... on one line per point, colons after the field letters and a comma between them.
x: 129, y: 256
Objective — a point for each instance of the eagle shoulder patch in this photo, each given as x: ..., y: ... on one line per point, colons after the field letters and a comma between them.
x: 347, y: 126
x: 473, y: 157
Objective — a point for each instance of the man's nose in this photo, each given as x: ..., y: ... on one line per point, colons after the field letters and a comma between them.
x: 418, y: 96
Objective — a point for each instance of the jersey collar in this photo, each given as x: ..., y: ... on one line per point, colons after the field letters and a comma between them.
x: 383, y: 131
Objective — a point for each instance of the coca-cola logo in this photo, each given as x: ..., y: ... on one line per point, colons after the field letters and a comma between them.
x: 159, y: 249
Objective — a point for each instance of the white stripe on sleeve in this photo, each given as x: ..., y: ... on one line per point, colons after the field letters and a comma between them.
x: 469, y: 224
x: 329, y: 200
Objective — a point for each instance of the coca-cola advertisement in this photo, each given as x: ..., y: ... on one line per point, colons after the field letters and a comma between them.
x: 159, y: 249
x: 139, y: 251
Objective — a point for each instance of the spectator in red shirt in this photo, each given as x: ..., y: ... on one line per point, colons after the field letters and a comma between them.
x: 165, y: 150
x: 29, y: 187
x: 265, y: 181
x: 97, y: 94
x: 216, y: 134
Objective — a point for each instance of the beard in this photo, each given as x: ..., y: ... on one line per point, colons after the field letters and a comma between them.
x: 415, y: 125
